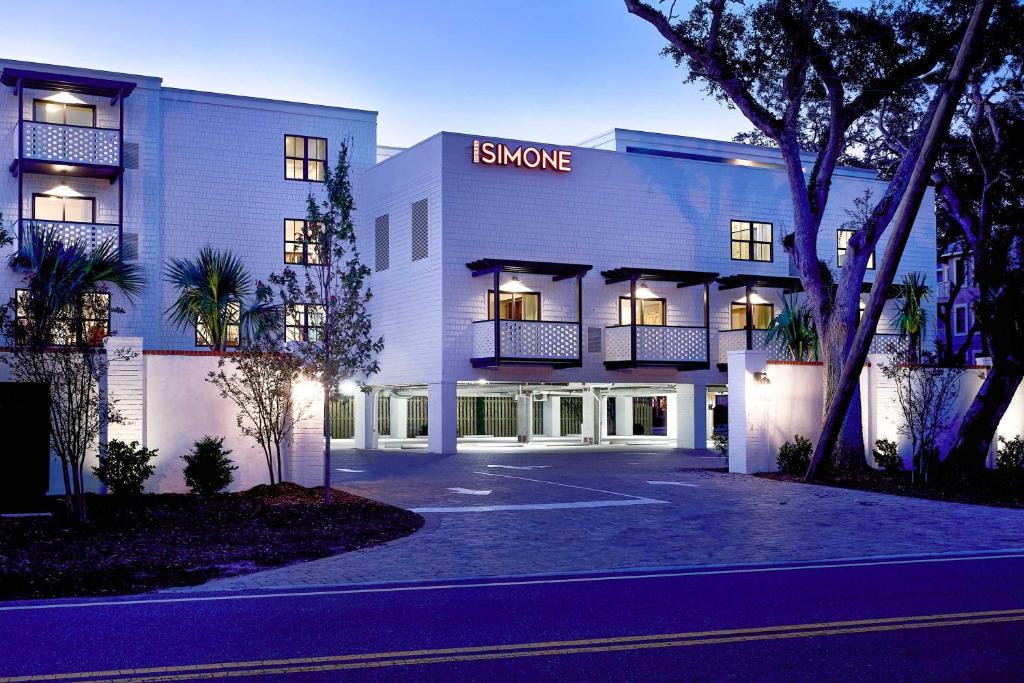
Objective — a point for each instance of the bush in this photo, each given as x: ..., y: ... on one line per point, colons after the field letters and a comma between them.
x: 795, y: 457
x: 208, y: 469
x: 887, y: 456
x: 721, y: 442
x: 1010, y: 454
x: 124, y: 467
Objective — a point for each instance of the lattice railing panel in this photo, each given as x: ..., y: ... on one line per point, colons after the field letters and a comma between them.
x: 657, y: 343
x: 887, y: 343
x: 70, y: 144
x: 89, y: 235
x: 736, y: 340
x: 531, y: 340
x: 616, y: 344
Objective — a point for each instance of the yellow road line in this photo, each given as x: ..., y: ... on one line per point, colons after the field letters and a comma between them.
x: 508, y: 651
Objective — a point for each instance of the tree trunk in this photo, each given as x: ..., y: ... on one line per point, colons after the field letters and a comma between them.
x: 977, y: 429
x: 848, y: 453
x: 277, y: 451
x: 327, y: 444
x: 68, y: 493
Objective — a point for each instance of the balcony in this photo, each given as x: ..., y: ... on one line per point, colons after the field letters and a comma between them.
x: 681, y: 347
x: 533, y: 342
x: 88, y: 235
x: 736, y: 340
x: 69, y: 150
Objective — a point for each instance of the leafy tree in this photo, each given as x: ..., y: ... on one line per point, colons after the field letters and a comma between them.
x: 793, y: 329
x: 332, y: 331
x: 911, y: 318
x: 260, y: 380
x: 808, y: 75
x: 45, y: 326
x: 208, y: 469
x: 210, y: 289
x: 124, y: 467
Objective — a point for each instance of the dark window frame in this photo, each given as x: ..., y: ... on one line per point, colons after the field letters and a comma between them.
x: 37, y: 100
x: 80, y: 319
x: 841, y: 250
x: 664, y: 311
x: 753, y: 306
x: 92, y: 200
x: 490, y: 305
x: 305, y: 327
x: 237, y: 323
x: 750, y: 244
x: 305, y: 157
x: 304, y: 242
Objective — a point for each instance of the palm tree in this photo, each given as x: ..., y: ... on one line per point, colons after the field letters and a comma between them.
x: 911, y: 312
x: 793, y: 329
x: 210, y: 294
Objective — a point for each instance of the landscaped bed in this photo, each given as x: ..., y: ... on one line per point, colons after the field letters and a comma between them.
x: 999, y: 487
x: 158, y: 541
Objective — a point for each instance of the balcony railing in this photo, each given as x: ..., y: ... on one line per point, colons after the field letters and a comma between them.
x: 526, y: 341
x: 64, y: 144
x: 736, y: 340
x: 89, y: 235
x: 684, y: 347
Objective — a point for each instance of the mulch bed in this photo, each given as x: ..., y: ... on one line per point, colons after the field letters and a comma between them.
x: 163, y: 540
x: 996, y: 488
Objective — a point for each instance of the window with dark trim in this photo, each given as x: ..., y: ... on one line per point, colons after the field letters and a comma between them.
x: 233, y: 326
x: 648, y: 311
x: 64, y: 114
x: 297, y: 247
x: 86, y: 324
x: 47, y: 207
x: 842, y: 242
x: 304, y: 158
x: 751, y: 241
x: 514, y: 305
x: 761, y: 314
x: 304, y: 322
x: 960, y: 319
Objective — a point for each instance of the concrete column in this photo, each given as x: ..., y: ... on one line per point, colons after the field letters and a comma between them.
x: 365, y: 414
x: 553, y: 416
x: 591, y: 430
x: 126, y: 387
x: 691, y: 416
x: 442, y: 406
x: 748, y: 414
x: 524, y: 418
x: 623, y: 415
x: 399, y: 412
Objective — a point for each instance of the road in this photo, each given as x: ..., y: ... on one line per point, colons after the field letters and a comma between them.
x: 937, y: 618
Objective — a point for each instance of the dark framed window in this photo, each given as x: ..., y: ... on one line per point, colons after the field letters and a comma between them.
x: 45, y: 111
x: 514, y: 305
x: 304, y: 158
x: 304, y: 322
x: 761, y: 316
x: 88, y: 323
x: 960, y: 319
x: 842, y: 243
x: 233, y: 324
x: 648, y: 311
x: 751, y: 241
x: 46, y: 207
x: 297, y: 247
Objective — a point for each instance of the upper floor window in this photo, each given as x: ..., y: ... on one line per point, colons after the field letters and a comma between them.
x: 648, y: 311
x: 232, y: 327
x: 751, y: 241
x: 514, y: 305
x: 304, y: 158
x: 960, y: 325
x: 304, y: 322
x: 45, y: 111
x: 297, y: 247
x: 86, y: 323
x: 761, y: 316
x: 47, y: 207
x: 843, y: 243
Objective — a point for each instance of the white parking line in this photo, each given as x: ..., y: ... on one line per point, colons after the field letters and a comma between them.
x: 544, y: 506
x: 570, y: 486
x: 673, y: 483
x: 470, y: 492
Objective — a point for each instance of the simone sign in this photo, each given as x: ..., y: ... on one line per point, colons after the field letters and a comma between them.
x: 500, y: 154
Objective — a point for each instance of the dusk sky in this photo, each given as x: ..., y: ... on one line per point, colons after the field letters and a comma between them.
x: 547, y: 71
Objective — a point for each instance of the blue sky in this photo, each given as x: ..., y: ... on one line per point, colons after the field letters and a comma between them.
x: 545, y: 70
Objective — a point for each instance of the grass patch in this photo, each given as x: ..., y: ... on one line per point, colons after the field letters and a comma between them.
x: 163, y: 540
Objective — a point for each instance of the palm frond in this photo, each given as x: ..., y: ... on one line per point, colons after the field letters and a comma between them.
x: 207, y: 288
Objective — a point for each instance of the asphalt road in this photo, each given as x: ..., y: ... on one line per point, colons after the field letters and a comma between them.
x: 949, y: 618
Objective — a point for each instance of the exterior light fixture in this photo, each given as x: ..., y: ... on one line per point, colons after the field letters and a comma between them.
x: 762, y: 378
x: 306, y: 391
x: 62, y: 190
x: 349, y: 388
x: 514, y: 286
x: 755, y: 299
x: 64, y: 98
x: 644, y: 292
x: 481, y: 381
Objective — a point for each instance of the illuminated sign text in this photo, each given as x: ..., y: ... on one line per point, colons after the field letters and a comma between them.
x: 500, y: 154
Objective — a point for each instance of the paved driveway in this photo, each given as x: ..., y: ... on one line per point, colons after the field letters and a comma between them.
x: 493, y: 513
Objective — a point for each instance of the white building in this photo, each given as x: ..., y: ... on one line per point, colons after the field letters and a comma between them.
x: 690, y: 229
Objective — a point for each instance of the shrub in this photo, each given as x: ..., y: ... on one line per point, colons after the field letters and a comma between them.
x: 1011, y: 453
x: 124, y: 467
x: 887, y: 456
x: 795, y: 457
x: 721, y: 442
x: 208, y: 469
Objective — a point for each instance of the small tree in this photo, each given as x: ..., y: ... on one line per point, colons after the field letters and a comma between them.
x: 124, y: 467
x: 210, y: 291
x: 926, y: 395
x: 261, y: 381
x: 208, y: 469
x: 793, y: 329
x: 330, y: 328
x: 912, y: 297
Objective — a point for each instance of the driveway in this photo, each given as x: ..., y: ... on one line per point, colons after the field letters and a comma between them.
x: 519, y: 512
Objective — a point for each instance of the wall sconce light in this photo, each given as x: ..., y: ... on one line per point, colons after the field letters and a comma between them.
x: 644, y: 292
x: 514, y: 286
x: 62, y: 190
x: 349, y: 388
x: 762, y: 378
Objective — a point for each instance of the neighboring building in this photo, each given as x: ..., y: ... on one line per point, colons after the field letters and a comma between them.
x: 957, y: 292
x: 625, y: 269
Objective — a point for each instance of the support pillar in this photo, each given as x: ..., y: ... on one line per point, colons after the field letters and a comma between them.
x: 442, y: 407
x: 399, y: 408
x: 691, y: 416
x: 591, y: 429
x: 365, y: 414
x: 524, y: 418
x: 553, y: 416
x: 748, y: 413
x: 623, y: 415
